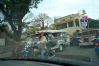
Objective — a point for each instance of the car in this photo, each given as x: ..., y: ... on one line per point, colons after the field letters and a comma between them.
x: 97, y: 46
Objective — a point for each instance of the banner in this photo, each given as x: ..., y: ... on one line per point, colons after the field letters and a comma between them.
x: 84, y: 18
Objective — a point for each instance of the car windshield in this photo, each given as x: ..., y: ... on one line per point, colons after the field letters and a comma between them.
x: 50, y: 29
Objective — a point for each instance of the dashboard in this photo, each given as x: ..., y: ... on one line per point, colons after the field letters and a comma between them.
x: 39, y: 62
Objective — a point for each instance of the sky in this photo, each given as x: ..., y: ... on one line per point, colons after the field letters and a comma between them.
x: 61, y: 8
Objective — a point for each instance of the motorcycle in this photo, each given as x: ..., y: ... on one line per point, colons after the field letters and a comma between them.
x: 24, y: 52
x: 16, y: 52
x: 34, y: 52
x: 50, y: 53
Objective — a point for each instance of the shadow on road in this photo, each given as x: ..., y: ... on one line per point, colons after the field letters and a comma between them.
x: 76, y: 57
x: 87, y: 46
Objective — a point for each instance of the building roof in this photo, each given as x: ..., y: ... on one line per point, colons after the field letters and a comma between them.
x: 62, y: 22
x: 69, y: 16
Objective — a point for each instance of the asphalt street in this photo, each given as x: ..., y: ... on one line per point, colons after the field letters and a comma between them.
x: 86, y: 54
x: 75, y: 52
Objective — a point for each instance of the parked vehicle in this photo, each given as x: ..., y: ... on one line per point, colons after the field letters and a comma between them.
x: 88, y: 37
x: 57, y: 38
x: 97, y: 46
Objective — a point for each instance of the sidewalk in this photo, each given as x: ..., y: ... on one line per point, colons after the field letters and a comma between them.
x: 6, y: 55
x: 6, y: 51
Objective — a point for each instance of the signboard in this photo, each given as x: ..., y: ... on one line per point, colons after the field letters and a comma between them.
x: 84, y: 18
x: 83, y: 27
x: 84, y: 24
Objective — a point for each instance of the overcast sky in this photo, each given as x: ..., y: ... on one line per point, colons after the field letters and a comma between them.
x: 60, y: 8
x: 66, y: 7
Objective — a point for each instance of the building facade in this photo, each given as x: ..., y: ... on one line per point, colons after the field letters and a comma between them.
x: 70, y: 23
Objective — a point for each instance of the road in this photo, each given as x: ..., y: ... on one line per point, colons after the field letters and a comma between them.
x: 79, y: 52
x: 75, y: 52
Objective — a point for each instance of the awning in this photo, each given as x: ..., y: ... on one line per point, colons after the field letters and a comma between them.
x: 53, y: 31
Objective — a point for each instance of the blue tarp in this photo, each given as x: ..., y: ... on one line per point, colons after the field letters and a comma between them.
x: 71, y: 39
x: 76, y: 39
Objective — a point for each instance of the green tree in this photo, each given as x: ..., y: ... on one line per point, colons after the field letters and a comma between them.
x: 42, y: 28
x: 93, y: 23
x: 14, y: 11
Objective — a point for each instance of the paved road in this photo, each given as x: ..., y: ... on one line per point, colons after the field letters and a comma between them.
x: 77, y: 51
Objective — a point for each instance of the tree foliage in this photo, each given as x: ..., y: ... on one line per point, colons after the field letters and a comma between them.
x: 41, y: 18
x: 93, y: 23
x: 42, y: 28
x: 14, y: 11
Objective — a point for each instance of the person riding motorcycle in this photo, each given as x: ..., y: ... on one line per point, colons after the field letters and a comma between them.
x: 72, y: 40
x: 42, y: 46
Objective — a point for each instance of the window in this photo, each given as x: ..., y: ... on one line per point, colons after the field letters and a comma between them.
x: 85, y: 39
x: 54, y: 34
x: 79, y: 34
x: 61, y: 26
x: 57, y: 27
x: 97, y: 32
x: 71, y: 24
x: 85, y: 33
x: 77, y: 23
x: 65, y: 25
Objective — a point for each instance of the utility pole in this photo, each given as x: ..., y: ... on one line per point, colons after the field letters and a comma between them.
x: 47, y: 23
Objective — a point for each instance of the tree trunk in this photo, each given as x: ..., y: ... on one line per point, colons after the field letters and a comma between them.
x: 17, y: 34
x: 42, y: 23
